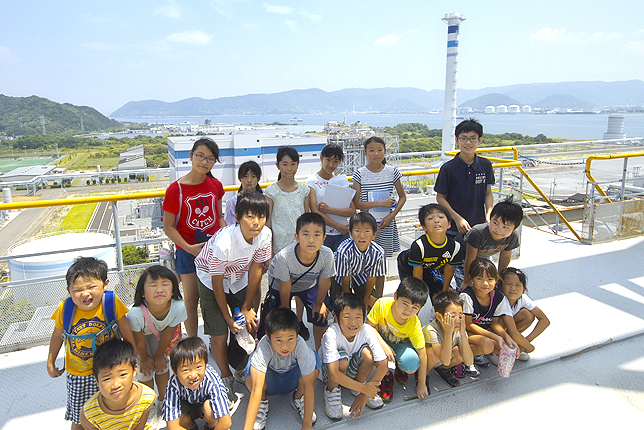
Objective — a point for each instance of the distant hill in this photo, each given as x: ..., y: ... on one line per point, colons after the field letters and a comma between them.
x: 564, y: 101
x: 492, y: 99
x: 59, y: 118
x: 394, y: 100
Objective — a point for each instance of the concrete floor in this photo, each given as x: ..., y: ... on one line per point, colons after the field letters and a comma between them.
x: 587, y: 370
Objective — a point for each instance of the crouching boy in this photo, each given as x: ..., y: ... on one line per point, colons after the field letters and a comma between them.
x: 282, y: 363
x: 350, y: 351
x: 120, y: 402
x: 194, y: 390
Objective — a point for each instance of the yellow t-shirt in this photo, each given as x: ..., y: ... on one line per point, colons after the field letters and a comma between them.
x: 95, y: 417
x: 79, y: 357
x: 390, y: 330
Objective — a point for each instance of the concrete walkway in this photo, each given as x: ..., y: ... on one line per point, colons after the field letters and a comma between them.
x: 587, y: 370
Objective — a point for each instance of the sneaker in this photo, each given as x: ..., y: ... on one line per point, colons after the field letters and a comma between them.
x: 375, y: 403
x: 298, y: 405
x: 304, y: 332
x: 447, y: 376
x: 228, y: 383
x: 262, y: 415
x: 333, y: 403
x: 481, y: 361
x: 524, y: 356
x: 400, y: 376
x: 471, y: 371
x: 493, y: 358
x: 233, y: 404
x: 387, y: 388
x: 239, y: 376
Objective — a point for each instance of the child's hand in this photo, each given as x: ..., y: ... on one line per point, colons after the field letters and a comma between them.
x: 421, y: 390
x: 321, y: 311
x: 54, y: 371
x: 343, y: 229
x: 370, y: 389
x: 357, y: 407
x: 387, y: 203
x: 147, y: 364
x: 386, y: 221
x: 234, y: 328
x: 323, y: 207
x: 195, y: 249
x: 369, y: 301
x: 462, y: 225
x: 449, y: 321
x: 160, y: 363
x: 463, y: 329
x: 251, y: 320
x: 389, y: 352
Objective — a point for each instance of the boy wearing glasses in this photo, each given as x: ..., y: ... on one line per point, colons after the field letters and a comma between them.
x: 464, y: 183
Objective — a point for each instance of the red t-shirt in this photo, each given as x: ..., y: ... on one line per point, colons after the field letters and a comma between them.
x: 198, y: 208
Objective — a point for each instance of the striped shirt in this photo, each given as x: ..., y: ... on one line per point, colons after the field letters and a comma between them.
x: 211, y: 388
x: 350, y: 261
x: 227, y: 253
x: 384, y: 180
x: 94, y: 417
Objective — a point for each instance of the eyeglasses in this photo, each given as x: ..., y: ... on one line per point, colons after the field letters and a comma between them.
x: 200, y: 157
x: 464, y: 139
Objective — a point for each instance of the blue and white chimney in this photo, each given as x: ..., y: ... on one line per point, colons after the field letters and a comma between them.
x: 453, y: 21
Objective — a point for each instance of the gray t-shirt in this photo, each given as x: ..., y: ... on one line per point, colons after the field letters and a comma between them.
x: 434, y: 334
x: 286, y: 266
x: 480, y: 238
x: 265, y: 356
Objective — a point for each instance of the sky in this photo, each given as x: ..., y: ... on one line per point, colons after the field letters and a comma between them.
x: 105, y: 53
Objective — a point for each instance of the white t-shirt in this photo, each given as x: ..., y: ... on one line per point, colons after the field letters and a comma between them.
x: 176, y: 315
x: 227, y: 253
x: 265, y: 356
x: 523, y: 302
x: 334, y: 341
x: 319, y: 185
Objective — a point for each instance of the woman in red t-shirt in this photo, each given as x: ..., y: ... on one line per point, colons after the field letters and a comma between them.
x: 193, y: 203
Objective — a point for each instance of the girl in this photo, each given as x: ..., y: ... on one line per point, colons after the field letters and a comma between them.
x: 193, y: 203
x: 374, y: 185
x: 336, y: 232
x: 484, y: 307
x: 155, y: 319
x: 524, y: 311
x: 288, y: 199
x: 248, y: 174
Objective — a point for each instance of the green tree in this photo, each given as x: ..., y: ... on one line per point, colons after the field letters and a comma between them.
x: 134, y: 255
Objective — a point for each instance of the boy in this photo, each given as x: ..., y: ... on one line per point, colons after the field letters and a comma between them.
x: 120, y: 402
x: 86, y: 284
x: 442, y: 354
x: 359, y: 262
x: 281, y: 363
x: 350, y: 351
x: 499, y: 236
x: 401, y: 335
x: 304, y: 269
x: 194, y: 389
x: 229, y: 268
x: 432, y: 251
x: 464, y: 183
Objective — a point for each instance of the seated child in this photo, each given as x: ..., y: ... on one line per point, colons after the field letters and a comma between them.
x: 282, y: 363
x: 442, y: 355
x: 229, y: 268
x: 194, y: 390
x: 524, y: 311
x: 432, y: 252
x: 121, y: 403
x: 497, y: 236
x: 88, y: 324
x: 304, y: 269
x: 484, y: 307
x: 401, y: 335
x: 359, y: 262
x: 350, y: 351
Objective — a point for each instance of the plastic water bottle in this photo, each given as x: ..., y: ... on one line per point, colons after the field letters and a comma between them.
x: 244, y: 339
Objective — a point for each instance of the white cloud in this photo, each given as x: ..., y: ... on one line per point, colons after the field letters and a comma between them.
x: 169, y: 10
x: 101, y: 46
x: 548, y: 34
x: 195, y: 37
x: 311, y: 16
x: 292, y: 25
x: 389, y: 40
x: 634, y: 47
x: 280, y: 10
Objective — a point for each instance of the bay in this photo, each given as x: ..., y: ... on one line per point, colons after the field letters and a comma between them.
x: 566, y: 126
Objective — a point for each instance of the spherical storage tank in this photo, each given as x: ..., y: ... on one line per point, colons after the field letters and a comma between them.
x: 514, y: 109
x: 501, y: 109
x: 54, y: 264
x: 489, y: 109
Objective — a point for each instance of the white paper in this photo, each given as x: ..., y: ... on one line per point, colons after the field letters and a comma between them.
x: 378, y: 212
x: 338, y: 198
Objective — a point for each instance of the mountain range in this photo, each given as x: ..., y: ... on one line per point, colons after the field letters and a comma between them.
x: 585, y: 95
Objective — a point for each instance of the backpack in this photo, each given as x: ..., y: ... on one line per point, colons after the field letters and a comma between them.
x: 109, y: 315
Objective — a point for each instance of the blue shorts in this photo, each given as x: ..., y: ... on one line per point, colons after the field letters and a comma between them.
x: 334, y: 240
x: 282, y: 382
x: 308, y: 297
x: 406, y: 356
x: 79, y: 390
x: 185, y: 262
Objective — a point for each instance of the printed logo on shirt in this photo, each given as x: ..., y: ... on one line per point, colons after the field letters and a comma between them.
x: 82, y: 348
x: 479, y: 178
x: 201, y: 213
x: 447, y: 255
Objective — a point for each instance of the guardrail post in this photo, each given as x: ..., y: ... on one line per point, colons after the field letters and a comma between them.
x: 117, y: 237
x: 624, y: 178
x: 500, y: 181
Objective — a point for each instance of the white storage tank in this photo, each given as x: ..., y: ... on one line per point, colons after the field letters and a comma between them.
x: 527, y: 109
x: 54, y: 264
x: 489, y: 109
x: 501, y: 109
x: 514, y: 109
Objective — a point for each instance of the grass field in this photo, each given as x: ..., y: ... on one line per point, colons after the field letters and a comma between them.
x: 78, y: 217
x: 7, y: 163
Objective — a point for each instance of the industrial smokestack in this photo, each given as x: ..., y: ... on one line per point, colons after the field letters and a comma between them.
x: 453, y: 21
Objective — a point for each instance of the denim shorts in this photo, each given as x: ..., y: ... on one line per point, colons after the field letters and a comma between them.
x: 185, y: 262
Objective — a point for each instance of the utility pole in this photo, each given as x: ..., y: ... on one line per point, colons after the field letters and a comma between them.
x: 42, y: 123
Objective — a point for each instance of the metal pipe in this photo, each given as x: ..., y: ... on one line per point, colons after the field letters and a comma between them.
x: 117, y: 237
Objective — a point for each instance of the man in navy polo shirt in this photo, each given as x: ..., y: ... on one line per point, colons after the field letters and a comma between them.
x: 464, y: 183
